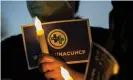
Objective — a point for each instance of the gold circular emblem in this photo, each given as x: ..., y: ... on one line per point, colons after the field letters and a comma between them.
x: 57, y: 39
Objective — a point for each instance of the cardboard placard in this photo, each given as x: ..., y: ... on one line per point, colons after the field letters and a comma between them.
x: 101, y: 65
x: 70, y: 40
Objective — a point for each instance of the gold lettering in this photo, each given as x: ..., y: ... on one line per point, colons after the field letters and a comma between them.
x: 60, y: 53
x: 68, y: 53
x: 80, y: 52
x: 76, y: 52
x: 64, y: 54
x: 71, y: 53
x: 83, y: 51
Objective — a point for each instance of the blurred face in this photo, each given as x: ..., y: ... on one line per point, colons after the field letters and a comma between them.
x: 51, y: 10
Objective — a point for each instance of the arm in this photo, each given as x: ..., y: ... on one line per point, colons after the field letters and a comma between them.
x: 51, y: 68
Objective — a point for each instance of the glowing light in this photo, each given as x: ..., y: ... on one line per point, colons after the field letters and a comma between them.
x: 65, y: 74
x: 41, y: 36
x: 38, y: 24
x: 116, y: 69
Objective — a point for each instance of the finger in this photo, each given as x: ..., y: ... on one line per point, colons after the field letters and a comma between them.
x: 50, y: 66
x: 56, y: 75
x: 47, y: 58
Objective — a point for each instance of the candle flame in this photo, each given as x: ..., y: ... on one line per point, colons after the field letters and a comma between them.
x: 65, y: 74
x: 116, y: 69
x: 38, y: 24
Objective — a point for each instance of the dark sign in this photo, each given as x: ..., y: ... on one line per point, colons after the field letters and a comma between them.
x: 102, y: 65
x: 69, y: 40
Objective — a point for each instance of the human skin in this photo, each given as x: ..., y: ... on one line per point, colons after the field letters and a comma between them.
x: 51, y: 67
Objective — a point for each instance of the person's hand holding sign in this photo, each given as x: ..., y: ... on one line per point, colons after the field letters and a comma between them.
x: 51, y: 67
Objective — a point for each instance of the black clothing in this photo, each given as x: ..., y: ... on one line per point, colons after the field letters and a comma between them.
x: 14, y: 63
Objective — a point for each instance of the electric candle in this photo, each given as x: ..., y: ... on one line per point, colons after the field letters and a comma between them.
x: 41, y: 36
x: 65, y: 74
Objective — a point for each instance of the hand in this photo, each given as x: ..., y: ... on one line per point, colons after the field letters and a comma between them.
x: 51, y: 68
